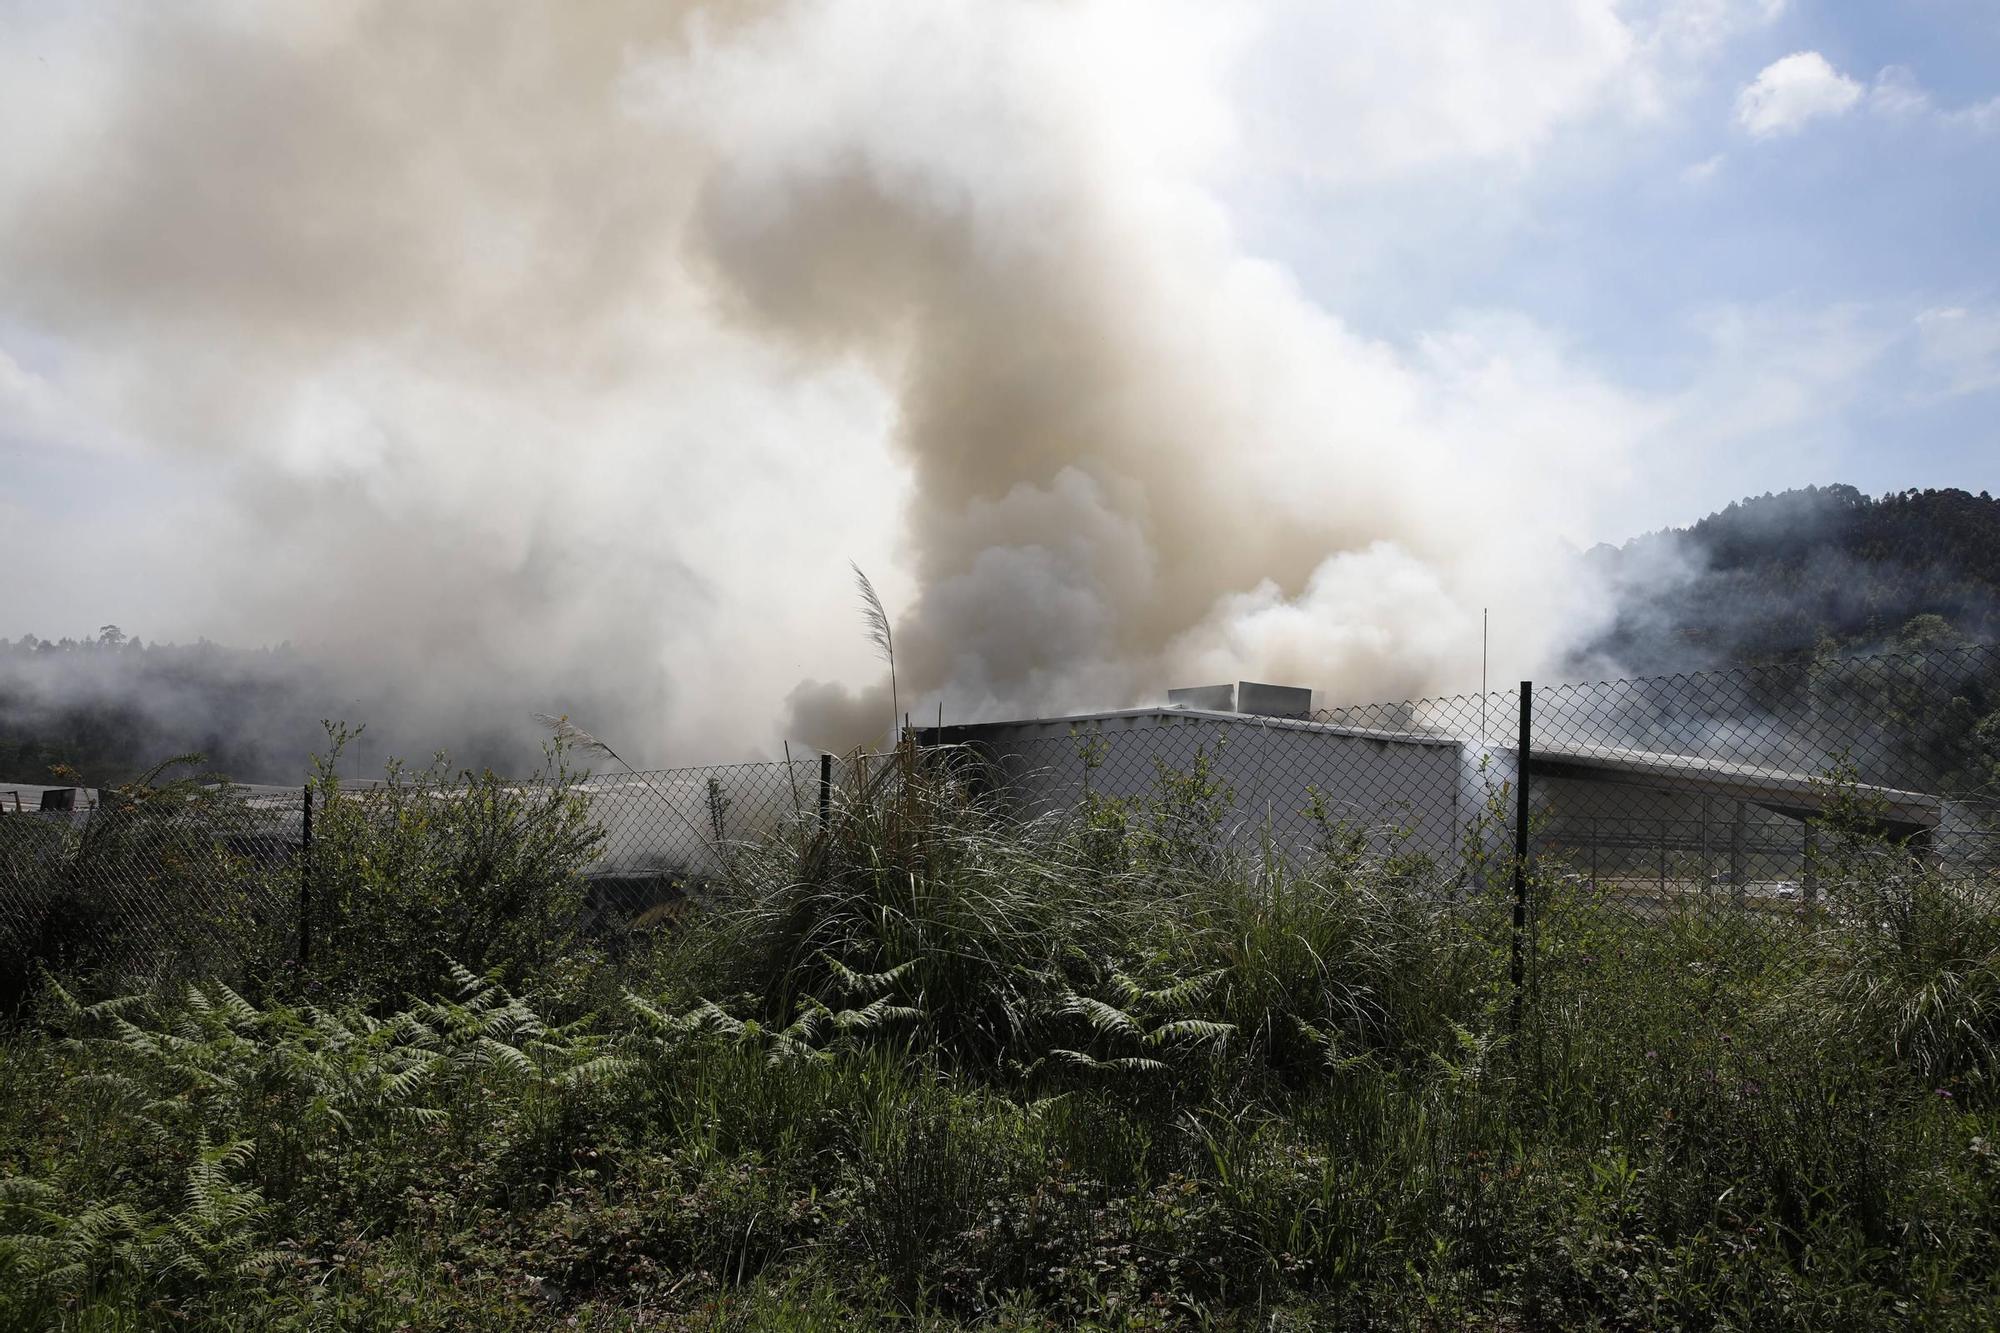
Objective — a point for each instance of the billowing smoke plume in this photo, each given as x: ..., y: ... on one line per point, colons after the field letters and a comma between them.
x: 561, y: 357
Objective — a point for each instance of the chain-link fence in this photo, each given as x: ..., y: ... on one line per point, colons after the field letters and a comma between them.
x: 183, y: 877
x: 1766, y: 810
x: 1657, y: 791
x: 1702, y: 839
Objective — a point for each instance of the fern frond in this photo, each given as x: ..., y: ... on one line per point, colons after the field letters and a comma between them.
x: 419, y: 1115
x: 472, y: 988
x: 1078, y: 1058
x: 708, y: 1014
x: 240, y: 1012
x: 26, y: 1191
x: 262, y: 1263
x: 66, y: 1003
x: 236, y: 1154
x: 1107, y: 1019
x: 879, y: 1014
x: 785, y: 1047
x: 806, y: 1026
x: 403, y: 1084
x: 1200, y: 1029
x: 651, y: 1014
x: 862, y: 983
x: 1183, y: 993
x: 598, y: 1069
x: 502, y: 1056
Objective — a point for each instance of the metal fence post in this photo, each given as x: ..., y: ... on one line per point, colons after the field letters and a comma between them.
x: 1809, y: 870
x: 1518, y: 969
x: 305, y: 878
x: 825, y: 789
x: 1738, y: 868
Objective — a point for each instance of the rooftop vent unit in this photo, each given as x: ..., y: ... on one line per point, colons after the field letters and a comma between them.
x: 1245, y: 696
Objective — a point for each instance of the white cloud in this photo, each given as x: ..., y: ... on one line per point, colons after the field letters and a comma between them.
x: 1762, y: 407
x: 1379, y: 95
x: 1700, y: 173
x: 1961, y: 347
x: 1417, y: 87
x: 1366, y: 94
x: 1789, y: 93
x: 1803, y: 87
x: 1698, y: 27
x: 1898, y: 94
x: 1980, y: 117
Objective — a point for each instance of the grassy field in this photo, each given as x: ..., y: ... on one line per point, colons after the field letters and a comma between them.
x: 928, y: 1068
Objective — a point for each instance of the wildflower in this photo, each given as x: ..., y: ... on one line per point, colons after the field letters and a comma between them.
x: 1944, y: 1093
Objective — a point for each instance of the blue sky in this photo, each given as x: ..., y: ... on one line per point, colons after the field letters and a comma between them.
x: 1632, y: 235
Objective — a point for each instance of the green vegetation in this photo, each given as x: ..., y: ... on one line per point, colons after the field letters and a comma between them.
x: 927, y: 1066
x: 431, y: 864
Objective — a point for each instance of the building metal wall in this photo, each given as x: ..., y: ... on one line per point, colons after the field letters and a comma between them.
x: 1413, y: 791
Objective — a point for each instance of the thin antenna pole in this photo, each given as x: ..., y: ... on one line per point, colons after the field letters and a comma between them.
x: 1482, y: 677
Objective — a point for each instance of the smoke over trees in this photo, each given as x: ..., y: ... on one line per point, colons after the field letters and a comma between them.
x: 557, y: 360
x: 1820, y: 570
x: 523, y: 358
x: 1774, y: 576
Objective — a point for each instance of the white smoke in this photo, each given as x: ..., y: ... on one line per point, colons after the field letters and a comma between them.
x: 541, y: 357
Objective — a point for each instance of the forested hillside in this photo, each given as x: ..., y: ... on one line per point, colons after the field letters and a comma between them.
x: 1784, y: 575
x: 109, y: 706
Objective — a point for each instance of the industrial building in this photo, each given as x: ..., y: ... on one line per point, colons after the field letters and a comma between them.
x: 1419, y: 777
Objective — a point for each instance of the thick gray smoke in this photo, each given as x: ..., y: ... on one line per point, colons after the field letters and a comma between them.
x: 553, y: 357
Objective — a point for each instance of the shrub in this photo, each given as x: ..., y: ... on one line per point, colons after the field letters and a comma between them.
x: 429, y: 866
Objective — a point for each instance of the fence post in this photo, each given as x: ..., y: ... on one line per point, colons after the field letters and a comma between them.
x: 1738, y: 869
x: 1707, y: 861
x: 825, y: 789
x: 305, y: 878
x: 1809, y: 870
x: 1518, y: 969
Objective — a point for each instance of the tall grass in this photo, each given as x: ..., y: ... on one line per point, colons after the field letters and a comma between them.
x: 931, y: 1062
